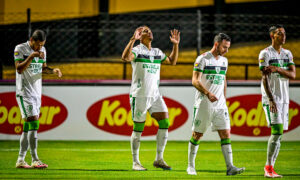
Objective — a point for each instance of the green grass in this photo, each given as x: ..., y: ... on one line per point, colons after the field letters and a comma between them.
x: 106, y: 160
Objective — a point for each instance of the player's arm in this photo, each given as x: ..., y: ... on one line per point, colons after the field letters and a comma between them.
x: 48, y: 70
x: 289, y: 73
x: 23, y: 65
x: 127, y: 54
x: 199, y: 86
x: 175, y: 39
x: 266, y: 84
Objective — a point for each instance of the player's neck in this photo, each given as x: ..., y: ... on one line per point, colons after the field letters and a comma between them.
x: 214, y: 52
x: 277, y: 47
x: 147, y: 44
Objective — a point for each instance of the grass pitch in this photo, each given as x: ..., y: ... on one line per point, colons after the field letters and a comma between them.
x: 112, y: 160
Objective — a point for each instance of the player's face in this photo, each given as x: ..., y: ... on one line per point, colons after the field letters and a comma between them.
x: 147, y: 33
x: 222, y: 48
x: 37, y: 45
x: 279, y: 36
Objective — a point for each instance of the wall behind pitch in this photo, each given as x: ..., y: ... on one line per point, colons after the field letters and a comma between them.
x: 103, y: 113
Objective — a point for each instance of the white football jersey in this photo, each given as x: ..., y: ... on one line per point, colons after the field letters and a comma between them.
x: 29, y: 82
x: 146, y: 71
x: 213, y: 78
x: 279, y: 84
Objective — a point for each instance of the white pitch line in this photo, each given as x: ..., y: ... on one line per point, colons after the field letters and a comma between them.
x: 127, y: 150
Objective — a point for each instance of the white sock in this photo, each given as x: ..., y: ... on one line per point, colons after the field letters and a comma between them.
x: 23, y: 146
x: 276, y: 154
x: 192, y: 152
x: 33, y: 142
x: 161, y: 140
x: 135, y: 145
x: 273, y: 149
x: 227, y: 153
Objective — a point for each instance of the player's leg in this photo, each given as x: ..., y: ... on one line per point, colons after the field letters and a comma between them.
x: 24, y: 136
x: 33, y: 122
x: 201, y: 121
x: 192, y: 152
x: 276, y: 123
x: 139, y: 110
x: 159, y: 111
x: 221, y: 123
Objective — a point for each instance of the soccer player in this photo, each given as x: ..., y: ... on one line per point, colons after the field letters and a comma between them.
x: 209, y: 79
x: 144, y: 93
x: 30, y: 62
x: 277, y: 68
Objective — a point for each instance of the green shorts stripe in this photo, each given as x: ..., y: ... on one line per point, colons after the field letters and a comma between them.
x: 133, y: 107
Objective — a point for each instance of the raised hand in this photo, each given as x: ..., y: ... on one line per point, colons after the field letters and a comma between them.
x: 175, y: 36
x: 137, y: 34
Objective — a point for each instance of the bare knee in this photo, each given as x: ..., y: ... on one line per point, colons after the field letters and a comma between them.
x: 224, y: 134
x: 197, y: 135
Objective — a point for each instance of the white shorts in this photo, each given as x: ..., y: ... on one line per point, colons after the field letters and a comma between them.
x: 140, y: 106
x: 29, y: 106
x: 281, y: 117
x: 218, y: 119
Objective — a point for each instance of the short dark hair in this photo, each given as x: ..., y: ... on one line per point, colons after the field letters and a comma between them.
x: 272, y: 29
x: 221, y: 36
x: 38, y: 35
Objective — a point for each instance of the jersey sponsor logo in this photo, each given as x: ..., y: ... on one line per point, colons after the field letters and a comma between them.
x: 52, y: 114
x: 16, y: 53
x: 113, y: 115
x: 261, y: 60
x: 248, y: 117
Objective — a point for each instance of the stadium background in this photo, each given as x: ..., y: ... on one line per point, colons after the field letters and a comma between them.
x: 86, y: 38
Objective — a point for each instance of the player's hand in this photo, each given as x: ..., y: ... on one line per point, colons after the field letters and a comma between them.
x: 271, y: 69
x: 212, y: 97
x: 58, y: 72
x: 137, y: 34
x: 273, y: 106
x: 42, y: 55
x: 175, y: 36
x: 35, y: 54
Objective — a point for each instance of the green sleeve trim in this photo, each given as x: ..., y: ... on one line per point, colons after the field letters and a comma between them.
x: 261, y: 67
x: 134, y: 54
x: 199, y: 70
x: 19, y: 59
x: 290, y: 64
x: 164, y: 59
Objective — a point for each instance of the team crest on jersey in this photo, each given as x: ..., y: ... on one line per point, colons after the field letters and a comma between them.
x: 261, y: 60
x: 151, y: 58
x: 16, y: 53
x: 281, y: 62
x: 196, y: 64
x: 218, y: 69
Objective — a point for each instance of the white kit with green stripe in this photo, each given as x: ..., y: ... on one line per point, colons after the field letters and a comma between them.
x: 146, y: 71
x: 213, y: 78
x: 279, y: 85
x: 29, y: 82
